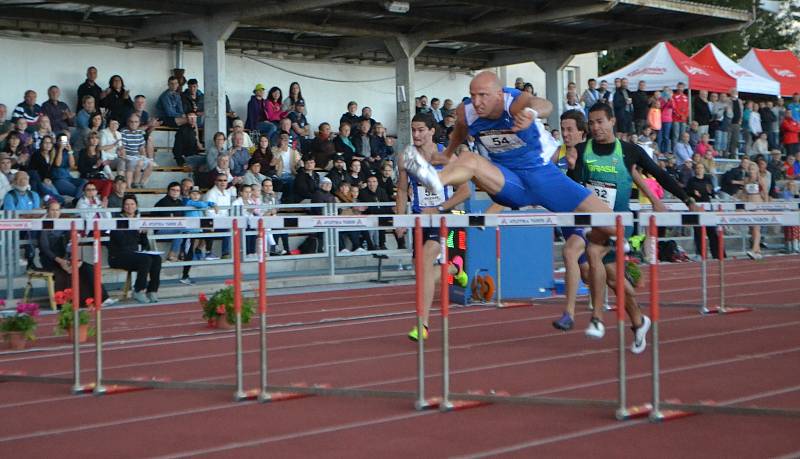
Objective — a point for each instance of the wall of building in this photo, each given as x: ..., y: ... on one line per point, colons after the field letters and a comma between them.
x: 327, y: 87
x: 579, y: 69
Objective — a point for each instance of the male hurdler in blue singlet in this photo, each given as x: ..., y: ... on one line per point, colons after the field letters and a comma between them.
x: 518, y: 171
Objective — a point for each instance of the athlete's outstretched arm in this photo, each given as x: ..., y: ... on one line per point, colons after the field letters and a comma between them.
x: 401, y: 197
x: 459, y: 133
x: 542, y: 106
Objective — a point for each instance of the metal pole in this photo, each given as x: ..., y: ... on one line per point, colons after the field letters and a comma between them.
x: 333, y: 242
x: 76, y: 303
x: 264, y: 395
x: 419, y: 267
x: 237, y: 309
x: 721, y: 237
x: 704, y: 268
x: 655, y: 413
x: 99, y: 388
x: 497, y: 257
x: 622, y: 410
x: 444, y: 296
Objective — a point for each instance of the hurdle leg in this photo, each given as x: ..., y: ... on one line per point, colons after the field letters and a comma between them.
x: 622, y: 411
x: 420, y: 403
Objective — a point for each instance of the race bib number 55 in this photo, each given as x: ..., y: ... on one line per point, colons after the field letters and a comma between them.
x: 500, y: 141
x: 429, y: 198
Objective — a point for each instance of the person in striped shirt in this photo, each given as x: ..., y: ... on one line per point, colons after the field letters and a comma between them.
x: 29, y: 110
x: 138, y: 166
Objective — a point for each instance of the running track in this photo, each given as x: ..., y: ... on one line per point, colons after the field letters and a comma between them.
x: 355, y: 339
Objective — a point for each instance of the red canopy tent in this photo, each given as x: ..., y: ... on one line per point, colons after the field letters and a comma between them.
x: 780, y: 65
x: 666, y: 65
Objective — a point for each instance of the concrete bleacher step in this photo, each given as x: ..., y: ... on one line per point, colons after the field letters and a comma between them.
x: 161, y: 178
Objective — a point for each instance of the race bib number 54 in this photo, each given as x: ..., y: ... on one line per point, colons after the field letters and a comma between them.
x: 501, y: 141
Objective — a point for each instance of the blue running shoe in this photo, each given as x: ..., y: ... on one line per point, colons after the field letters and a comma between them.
x: 564, y: 323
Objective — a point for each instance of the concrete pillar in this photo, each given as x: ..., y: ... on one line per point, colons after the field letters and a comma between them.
x: 553, y: 67
x: 213, y: 35
x: 404, y: 51
x: 179, y: 55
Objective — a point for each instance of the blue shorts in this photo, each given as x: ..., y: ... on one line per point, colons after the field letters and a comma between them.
x: 569, y: 231
x: 544, y: 186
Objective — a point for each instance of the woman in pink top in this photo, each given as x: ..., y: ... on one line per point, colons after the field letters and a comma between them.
x: 703, y: 147
x: 273, y: 105
x: 667, y: 105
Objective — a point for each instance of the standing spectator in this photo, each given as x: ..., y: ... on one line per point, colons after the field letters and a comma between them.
x: 775, y: 128
x: 29, y: 110
x: 723, y: 113
x: 257, y: 113
x: 270, y: 199
x: 88, y: 108
x: 654, y: 120
x: 623, y: 107
x: 187, y: 143
x: 306, y: 182
x: 170, y: 104
x: 701, y: 189
x: 125, y: 251
x: 273, y: 105
x: 754, y: 125
x: 605, y: 94
x: 89, y: 88
x: 322, y: 147
x: 216, y: 150
x: 60, y: 115
x: 93, y: 168
x: 591, y: 96
x: 222, y: 196
x: 680, y: 112
x: 193, y: 101
x: 572, y: 103
x: 119, y: 191
x: 701, y: 111
x: 794, y: 106
x: 791, y: 130
x: 295, y: 96
x: 683, y: 151
x: 641, y: 105
x: 768, y: 120
x: 734, y: 128
x: 239, y: 155
x: 138, y: 166
x: 117, y: 100
x: 665, y: 134
x: 350, y: 117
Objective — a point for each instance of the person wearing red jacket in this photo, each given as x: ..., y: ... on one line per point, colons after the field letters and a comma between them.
x: 680, y: 113
x: 791, y: 131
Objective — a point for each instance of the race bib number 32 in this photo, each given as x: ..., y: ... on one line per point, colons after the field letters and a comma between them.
x: 500, y: 141
x: 607, y: 192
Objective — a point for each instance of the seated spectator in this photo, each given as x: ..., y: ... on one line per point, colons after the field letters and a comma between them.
x: 88, y: 108
x: 701, y: 189
x: 339, y: 172
x: 350, y: 117
x: 436, y: 110
x: 140, y: 108
x: 89, y: 88
x: 20, y: 198
x: 358, y: 239
x: 257, y: 113
x: 93, y: 168
x: 683, y: 150
x: 322, y: 195
x: 125, y: 251
x: 343, y: 143
x: 366, y: 115
x: 170, y: 104
x: 760, y: 146
x: 273, y: 105
x: 449, y: 109
x: 791, y: 168
x: 422, y: 104
x: 29, y: 110
x: 299, y: 125
x: 194, y: 200
x: 685, y: 172
x: 386, y: 181
x: 187, y: 143
x: 222, y: 196
x: 193, y: 101
x: 21, y: 128
x: 118, y: 192
x: 65, y: 183
x: 58, y: 112
x: 43, y: 130
x: 6, y: 175
x: 240, y: 156
x: 295, y: 96
x: 790, y: 128
x: 264, y: 156
x: 362, y: 141
x: 216, y: 150
x: 40, y: 170
x: 238, y: 127
x: 322, y: 147
x: 93, y: 203
x: 285, y: 125
x: 373, y: 193
x: 223, y: 167
x: 270, y: 199
x: 694, y: 134
x: 113, y: 140
x: 15, y: 148
x: 705, y: 146
x: 117, y: 100
x: 245, y: 201
x: 357, y: 176
x: 253, y: 176
x: 171, y: 199
x: 5, y: 126
x: 306, y: 182
x: 384, y: 145
x: 286, y: 167
x: 138, y: 166
x: 55, y: 258
x: 733, y: 180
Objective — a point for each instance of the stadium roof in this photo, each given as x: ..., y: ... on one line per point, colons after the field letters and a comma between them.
x: 459, y: 34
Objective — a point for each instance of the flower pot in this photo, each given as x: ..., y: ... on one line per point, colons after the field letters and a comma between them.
x: 223, y: 324
x: 16, y: 340
x: 83, y: 333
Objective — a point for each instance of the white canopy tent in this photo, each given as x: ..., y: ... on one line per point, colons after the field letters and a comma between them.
x: 746, y: 81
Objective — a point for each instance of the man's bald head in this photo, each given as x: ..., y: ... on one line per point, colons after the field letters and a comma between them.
x: 486, y: 78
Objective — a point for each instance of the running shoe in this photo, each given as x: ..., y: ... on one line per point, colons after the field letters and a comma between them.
x: 596, y: 329
x: 140, y: 297
x: 210, y: 257
x: 751, y: 254
x: 417, y: 166
x: 460, y: 277
x: 413, y: 335
x: 564, y: 323
x: 110, y: 301
x: 186, y: 281
x: 640, y: 336
x: 153, y: 297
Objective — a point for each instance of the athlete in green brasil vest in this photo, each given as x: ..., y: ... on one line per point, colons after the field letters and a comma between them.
x: 605, y: 166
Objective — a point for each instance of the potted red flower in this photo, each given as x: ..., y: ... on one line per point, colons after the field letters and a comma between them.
x: 18, y: 328
x: 65, y: 315
x: 219, y: 311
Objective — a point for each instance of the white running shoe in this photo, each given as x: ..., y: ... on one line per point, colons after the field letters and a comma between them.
x: 110, y: 301
x: 417, y: 166
x: 596, y: 329
x: 640, y: 336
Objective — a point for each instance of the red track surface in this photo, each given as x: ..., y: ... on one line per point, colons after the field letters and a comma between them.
x: 355, y: 339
